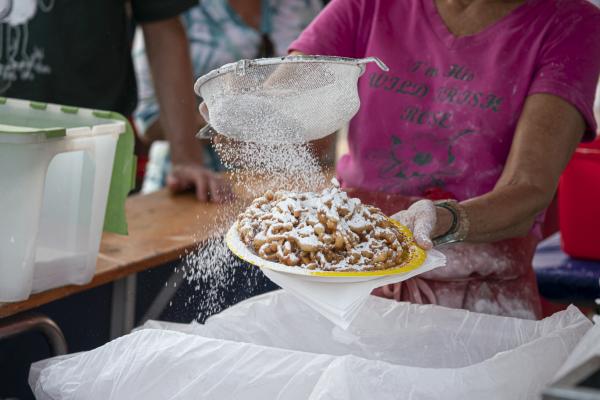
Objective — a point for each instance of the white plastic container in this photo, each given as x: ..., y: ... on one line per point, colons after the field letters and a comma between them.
x: 56, y: 165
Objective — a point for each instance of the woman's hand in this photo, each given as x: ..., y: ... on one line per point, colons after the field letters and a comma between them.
x: 425, y: 221
x: 421, y: 219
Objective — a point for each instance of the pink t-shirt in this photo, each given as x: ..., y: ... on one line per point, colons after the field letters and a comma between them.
x: 444, y: 116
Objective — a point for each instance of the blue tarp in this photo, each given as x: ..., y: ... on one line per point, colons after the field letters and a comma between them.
x: 563, y: 278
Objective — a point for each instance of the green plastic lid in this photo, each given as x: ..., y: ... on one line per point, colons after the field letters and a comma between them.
x: 123, y: 178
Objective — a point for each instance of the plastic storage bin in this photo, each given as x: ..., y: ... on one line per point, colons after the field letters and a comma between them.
x: 579, y: 203
x: 56, y: 172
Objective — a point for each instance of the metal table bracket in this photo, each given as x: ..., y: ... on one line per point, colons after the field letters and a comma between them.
x: 13, y: 326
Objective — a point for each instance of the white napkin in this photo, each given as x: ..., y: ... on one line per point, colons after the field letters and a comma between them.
x: 340, y: 302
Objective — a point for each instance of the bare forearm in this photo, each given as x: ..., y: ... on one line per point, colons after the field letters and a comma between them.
x: 168, y: 54
x: 548, y: 133
x: 506, y: 212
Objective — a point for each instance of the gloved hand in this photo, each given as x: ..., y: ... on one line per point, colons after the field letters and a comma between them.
x: 420, y: 218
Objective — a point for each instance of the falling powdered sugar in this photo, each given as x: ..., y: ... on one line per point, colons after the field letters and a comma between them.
x: 217, y: 277
x: 278, y: 166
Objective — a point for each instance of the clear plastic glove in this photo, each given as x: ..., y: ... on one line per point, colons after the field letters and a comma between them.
x: 209, y: 185
x: 420, y: 218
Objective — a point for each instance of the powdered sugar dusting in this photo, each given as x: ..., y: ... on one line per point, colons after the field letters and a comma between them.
x: 324, y: 230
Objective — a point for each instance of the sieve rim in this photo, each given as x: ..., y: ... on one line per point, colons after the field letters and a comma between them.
x: 231, y: 67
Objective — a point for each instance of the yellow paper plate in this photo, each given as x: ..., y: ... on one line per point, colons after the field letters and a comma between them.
x: 415, y: 259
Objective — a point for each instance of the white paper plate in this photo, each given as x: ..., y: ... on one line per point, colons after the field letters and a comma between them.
x: 239, y: 248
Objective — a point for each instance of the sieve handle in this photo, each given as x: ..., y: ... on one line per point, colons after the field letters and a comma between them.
x: 376, y: 60
x: 207, y: 132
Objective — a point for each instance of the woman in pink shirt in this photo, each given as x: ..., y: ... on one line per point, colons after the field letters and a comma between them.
x: 483, y: 105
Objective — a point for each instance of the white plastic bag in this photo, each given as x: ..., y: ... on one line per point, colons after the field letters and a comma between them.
x: 587, y: 348
x: 275, y: 347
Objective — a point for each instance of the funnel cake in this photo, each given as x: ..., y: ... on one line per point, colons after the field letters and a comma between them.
x: 326, y: 231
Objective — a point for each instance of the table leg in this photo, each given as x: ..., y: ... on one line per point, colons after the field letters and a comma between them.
x: 17, y: 325
x: 122, y: 318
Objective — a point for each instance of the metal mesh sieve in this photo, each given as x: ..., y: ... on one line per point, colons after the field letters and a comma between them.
x: 277, y: 100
